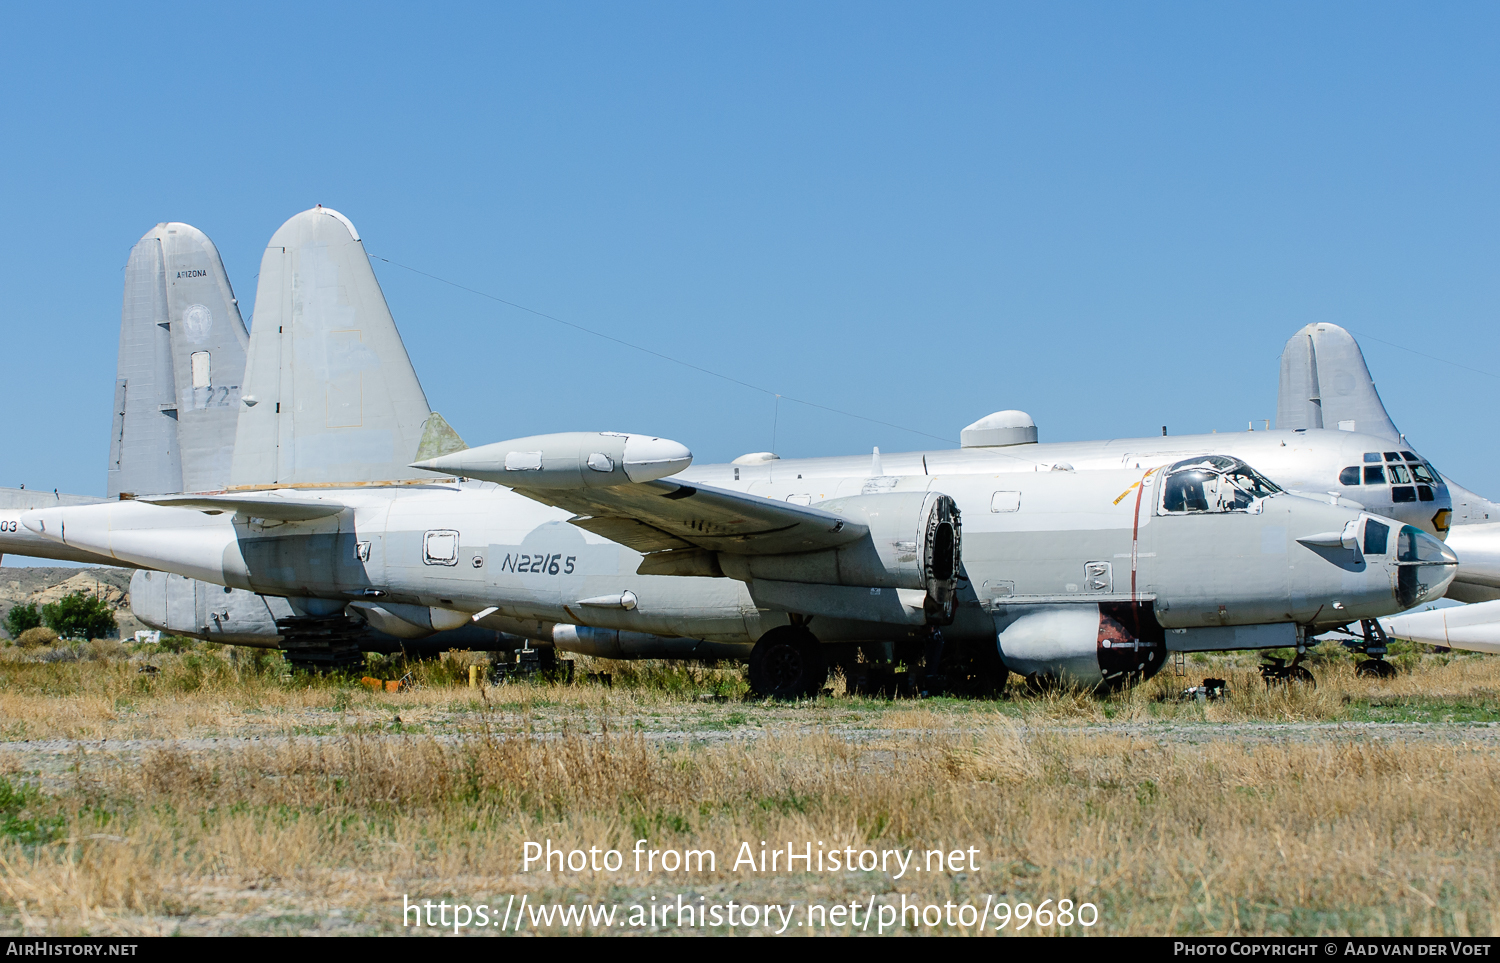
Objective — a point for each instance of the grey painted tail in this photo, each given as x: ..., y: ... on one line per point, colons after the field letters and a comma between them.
x: 330, y: 395
x: 181, y: 364
x: 1325, y: 383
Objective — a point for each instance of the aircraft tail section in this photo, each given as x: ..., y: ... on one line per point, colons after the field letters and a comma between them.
x: 330, y: 394
x: 1325, y: 383
x: 181, y: 364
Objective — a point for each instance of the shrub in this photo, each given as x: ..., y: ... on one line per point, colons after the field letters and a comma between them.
x: 20, y: 618
x: 80, y: 616
x: 36, y: 637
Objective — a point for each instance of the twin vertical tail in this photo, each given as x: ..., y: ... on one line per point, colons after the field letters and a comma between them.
x: 181, y: 364
x: 330, y: 394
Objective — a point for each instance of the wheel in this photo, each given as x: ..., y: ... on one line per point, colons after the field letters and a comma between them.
x: 1375, y: 669
x: 1276, y: 671
x: 1299, y: 673
x: 787, y: 663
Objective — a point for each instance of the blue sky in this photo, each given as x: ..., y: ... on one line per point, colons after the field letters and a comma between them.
x: 1109, y: 215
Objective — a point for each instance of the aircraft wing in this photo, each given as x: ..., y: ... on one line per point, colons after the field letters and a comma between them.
x: 278, y: 507
x: 615, y: 485
x: 657, y: 516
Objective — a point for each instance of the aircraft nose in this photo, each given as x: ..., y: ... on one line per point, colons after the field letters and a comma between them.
x: 1431, y: 549
x: 648, y: 458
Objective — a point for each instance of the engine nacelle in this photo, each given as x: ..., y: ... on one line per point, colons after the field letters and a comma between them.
x: 914, y: 542
x: 1088, y: 644
x: 185, y: 606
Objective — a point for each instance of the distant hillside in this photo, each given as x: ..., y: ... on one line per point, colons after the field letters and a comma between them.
x: 42, y: 585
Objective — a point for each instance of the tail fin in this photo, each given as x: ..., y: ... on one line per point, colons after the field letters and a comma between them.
x: 182, y: 358
x: 1325, y: 383
x: 330, y: 394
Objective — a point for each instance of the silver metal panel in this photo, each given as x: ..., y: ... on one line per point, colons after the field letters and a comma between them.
x: 330, y: 394
x: 1217, y: 638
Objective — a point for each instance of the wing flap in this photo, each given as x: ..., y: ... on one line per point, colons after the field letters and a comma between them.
x: 701, y: 516
x: 630, y: 533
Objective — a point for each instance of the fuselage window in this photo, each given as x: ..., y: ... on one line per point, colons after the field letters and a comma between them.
x: 440, y: 548
x: 1403, y: 493
x: 1374, y: 475
x: 1349, y: 476
x: 1424, y: 492
x: 1376, y: 536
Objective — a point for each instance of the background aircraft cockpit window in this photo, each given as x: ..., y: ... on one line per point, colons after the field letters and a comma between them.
x: 1393, y: 456
x: 1410, y: 456
x: 1349, y: 476
x: 1424, y: 473
x: 1403, y: 493
x: 1376, y: 536
x: 1214, y: 483
x: 1372, y: 456
x: 1374, y: 475
x: 1399, y: 474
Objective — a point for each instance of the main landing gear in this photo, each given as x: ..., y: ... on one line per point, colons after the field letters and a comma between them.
x: 1277, y: 670
x: 788, y: 663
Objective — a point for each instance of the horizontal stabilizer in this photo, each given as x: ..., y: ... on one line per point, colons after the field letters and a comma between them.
x: 284, y: 508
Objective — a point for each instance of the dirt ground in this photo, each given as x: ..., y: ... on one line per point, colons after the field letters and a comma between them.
x: 219, y: 793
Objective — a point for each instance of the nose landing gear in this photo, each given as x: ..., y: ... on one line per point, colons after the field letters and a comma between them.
x: 1374, y: 643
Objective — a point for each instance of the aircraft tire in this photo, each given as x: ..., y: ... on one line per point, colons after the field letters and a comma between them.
x: 1375, y: 669
x: 787, y: 663
x: 1301, y: 674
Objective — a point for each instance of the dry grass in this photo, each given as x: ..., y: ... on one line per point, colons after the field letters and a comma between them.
x: 1316, y: 829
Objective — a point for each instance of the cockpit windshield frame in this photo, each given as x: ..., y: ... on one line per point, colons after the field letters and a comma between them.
x: 1213, y: 485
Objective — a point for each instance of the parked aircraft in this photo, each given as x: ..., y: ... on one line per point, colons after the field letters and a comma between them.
x: 1213, y: 552
x: 312, y: 418
x: 1333, y: 359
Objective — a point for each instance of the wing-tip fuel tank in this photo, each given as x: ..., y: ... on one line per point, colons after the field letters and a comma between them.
x: 568, y: 460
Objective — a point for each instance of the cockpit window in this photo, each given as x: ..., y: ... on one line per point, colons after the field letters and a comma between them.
x: 1349, y: 476
x: 1214, y: 483
x: 1374, y: 475
x: 1410, y: 456
x: 1412, y: 546
x: 1393, y: 456
x: 1372, y: 456
x: 1376, y: 537
x: 1423, y: 474
x: 1399, y: 475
